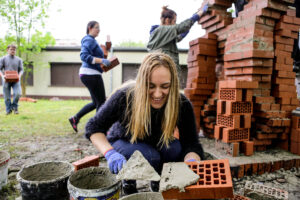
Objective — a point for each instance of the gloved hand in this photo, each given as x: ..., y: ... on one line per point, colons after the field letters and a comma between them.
x: 105, y: 62
x: 115, y: 161
x: 191, y: 160
x: 205, y: 8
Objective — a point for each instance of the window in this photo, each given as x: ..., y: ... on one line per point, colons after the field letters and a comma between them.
x: 65, y: 74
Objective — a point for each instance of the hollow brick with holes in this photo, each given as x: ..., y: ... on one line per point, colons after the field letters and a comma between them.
x: 88, y: 161
x: 234, y: 108
x: 215, y: 182
x: 234, y: 121
x: 235, y: 94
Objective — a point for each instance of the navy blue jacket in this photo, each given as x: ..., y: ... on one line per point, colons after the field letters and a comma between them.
x: 90, y: 49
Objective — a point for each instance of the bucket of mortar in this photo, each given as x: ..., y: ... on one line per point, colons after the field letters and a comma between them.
x: 144, y: 196
x: 94, y: 183
x: 4, y: 158
x: 45, y: 180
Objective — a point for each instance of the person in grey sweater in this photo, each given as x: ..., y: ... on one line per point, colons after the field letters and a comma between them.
x: 11, y: 62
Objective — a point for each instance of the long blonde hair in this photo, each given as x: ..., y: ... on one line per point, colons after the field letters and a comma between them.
x: 139, y: 109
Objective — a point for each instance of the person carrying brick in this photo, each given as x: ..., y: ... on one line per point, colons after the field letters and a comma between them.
x: 11, y: 62
x: 90, y: 72
x: 164, y: 37
x: 146, y: 116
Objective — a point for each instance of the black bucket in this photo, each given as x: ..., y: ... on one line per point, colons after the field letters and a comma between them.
x: 144, y: 196
x: 45, y: 181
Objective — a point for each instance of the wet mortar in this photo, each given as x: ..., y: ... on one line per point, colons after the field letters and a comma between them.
x: 93, y: 178
x: 46, y: 171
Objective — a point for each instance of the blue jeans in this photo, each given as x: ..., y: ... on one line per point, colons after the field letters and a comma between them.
x: 7, y: 94
x: 155, y: 156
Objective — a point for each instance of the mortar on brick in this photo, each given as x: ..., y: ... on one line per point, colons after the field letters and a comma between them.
x: 177, y: 176
x: 138, y: 168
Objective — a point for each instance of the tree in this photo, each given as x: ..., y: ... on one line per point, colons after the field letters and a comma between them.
x: 24, y: 18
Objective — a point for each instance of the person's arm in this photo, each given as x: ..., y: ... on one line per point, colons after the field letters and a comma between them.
x: 97, y: 127
x: 88, y: 45
x: 2, y: 68
x: 101, y: 143
x: 20, y: 69
x: 191, y: 148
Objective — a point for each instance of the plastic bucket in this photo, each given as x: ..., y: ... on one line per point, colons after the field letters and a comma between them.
x: 4, y: 158
x: 144, y: 196
x: 94, y: 183
x: 45, y: 180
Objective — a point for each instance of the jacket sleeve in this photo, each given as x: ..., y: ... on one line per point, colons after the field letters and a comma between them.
x: 109, y: 113
x: 187, y: 130
x: 87, y: 48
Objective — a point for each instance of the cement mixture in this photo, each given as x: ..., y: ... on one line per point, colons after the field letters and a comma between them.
x: 138, y: 168
x: 177, y: 175
x: 93, y: 178
x: 46, y: 171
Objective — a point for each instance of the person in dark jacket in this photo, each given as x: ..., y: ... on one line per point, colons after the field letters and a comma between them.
x: 147, y: 116
x: 296, y: 51
x: 90, y: 71
x: 164, y: 37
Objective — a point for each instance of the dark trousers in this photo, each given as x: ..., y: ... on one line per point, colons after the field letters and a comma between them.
x: 95, y: 85
x: 155, y: 156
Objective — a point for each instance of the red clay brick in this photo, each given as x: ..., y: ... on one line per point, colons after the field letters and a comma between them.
x: 238, y: 84
x: 295, y: 135
x: 215, y: 182
x: 11, y: 76
x: 296, y: 122
x: 248, y: 148
x: 234, y: 108
x: 88, y: 161
x: 235, y: 94
x: 234, y: 121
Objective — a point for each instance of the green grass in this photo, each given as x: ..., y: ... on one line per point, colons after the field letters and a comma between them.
x: 43, y: 118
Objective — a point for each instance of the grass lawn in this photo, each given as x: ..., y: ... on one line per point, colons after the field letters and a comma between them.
x: 43, y: 118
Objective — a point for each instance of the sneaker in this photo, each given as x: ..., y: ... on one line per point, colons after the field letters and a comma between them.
x: 9, y: 112
x: 154, y: 186
x: 16, y: 111
x: 74, y: 121
x: 129, y: 187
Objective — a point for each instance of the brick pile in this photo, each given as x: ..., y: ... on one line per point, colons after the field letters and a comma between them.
x: 256, y: 47
x: 201, y: 72
x: 234, y: 112
x: 215, y: 21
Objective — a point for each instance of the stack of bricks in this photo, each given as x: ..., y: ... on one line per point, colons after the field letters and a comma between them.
x: 295, y: 133
x: 214, y: 21
x: 249, y: 54
x: 208, y: 116
x: 234, y: 112
x: 201, y: 72
x: 283, y: 87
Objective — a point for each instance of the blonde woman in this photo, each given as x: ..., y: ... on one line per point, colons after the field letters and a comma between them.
x: 145, y: 116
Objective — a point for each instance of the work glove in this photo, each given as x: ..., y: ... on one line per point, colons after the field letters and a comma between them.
x: 205, y: 8
x: 115, y: 161
x: 105, y: 62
